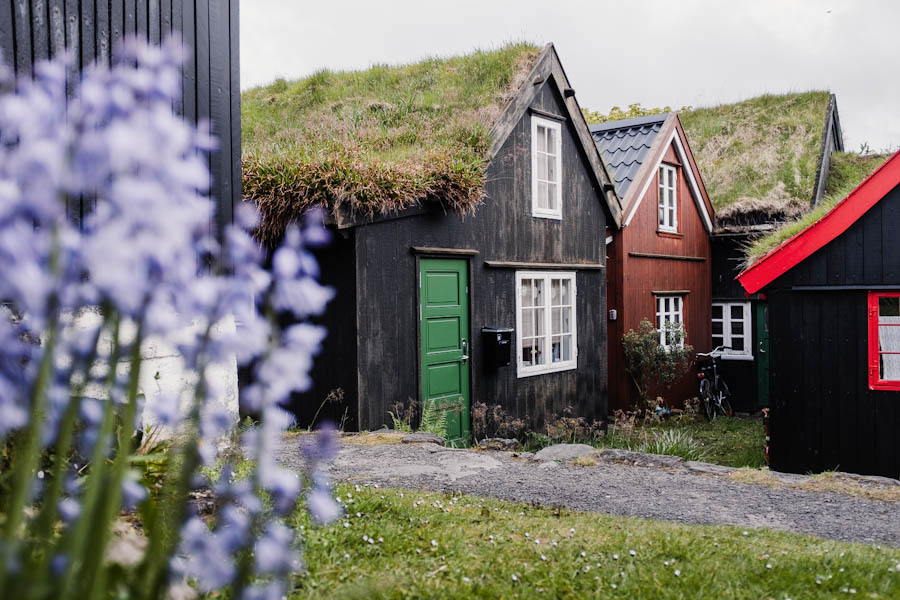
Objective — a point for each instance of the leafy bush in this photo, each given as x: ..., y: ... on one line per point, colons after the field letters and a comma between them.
x: 651, y: 364
x: 69, y: 395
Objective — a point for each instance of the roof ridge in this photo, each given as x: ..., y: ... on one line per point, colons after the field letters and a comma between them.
x: 627, y: 123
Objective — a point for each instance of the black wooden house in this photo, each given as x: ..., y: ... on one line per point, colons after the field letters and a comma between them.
x: 833, y: 292
x: 502, y: 303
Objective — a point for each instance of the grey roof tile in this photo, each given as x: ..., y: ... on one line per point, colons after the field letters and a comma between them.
x: 624, y: 146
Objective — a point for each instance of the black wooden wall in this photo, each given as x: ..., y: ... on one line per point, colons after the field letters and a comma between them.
x: 502, y: 229
x: 34, y: 30
x: 823, y: 414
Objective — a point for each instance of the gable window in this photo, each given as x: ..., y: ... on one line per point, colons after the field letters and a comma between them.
x: 668, y: 207
x: 669, y: 309
x: 545, y: 322
x: 546, y: 163
x: 731, y: 328
x: 884, y: 341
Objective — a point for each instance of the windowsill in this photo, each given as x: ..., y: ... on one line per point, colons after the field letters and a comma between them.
x: 554, y: 217
x: 747, y: 357
x: 669, y: 234
x: 567, y: 366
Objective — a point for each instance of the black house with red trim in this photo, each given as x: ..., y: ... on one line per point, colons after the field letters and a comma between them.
x: 834, y: 322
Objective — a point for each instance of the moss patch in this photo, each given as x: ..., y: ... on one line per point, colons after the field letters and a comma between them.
x: 760, y: 154
x: 847, y: 171
x: 379, y: 140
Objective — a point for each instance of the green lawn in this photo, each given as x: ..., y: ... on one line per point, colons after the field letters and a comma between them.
x: 729, y: 441
x: 426, y: 545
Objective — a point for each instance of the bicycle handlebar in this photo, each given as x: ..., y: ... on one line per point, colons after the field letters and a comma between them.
x: 714, y: 351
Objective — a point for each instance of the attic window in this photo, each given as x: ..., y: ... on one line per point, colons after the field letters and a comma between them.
x: 884, y: 341
x: 668, y: 206
x: 546, y: 163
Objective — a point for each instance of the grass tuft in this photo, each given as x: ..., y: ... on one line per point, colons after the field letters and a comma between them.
x: 847, y: 171
x: 379, y: 140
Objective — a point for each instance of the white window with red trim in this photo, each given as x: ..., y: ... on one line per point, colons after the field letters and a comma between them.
x: 884, y: 340
x: 670, y: 309
x: 668, y: 200
x: 546, y: 169
x: 545, y: 322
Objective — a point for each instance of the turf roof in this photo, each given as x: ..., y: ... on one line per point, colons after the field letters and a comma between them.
x: 760, y: 155
x: 847, y: 171
x: 377, y: 141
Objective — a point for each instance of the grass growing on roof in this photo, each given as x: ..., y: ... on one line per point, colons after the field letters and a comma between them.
x: 761, y: 154
x: 413, y: 544
x: 847, y: 171
x: 378, y: 140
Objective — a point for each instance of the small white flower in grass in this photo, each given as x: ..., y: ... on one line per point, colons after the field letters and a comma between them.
x: 768, y: 565
x: 357, y: 488
x: 401, y: 494
x: 371, y: 541
x: 537, y: 542
x: 434, y: 543
x: 346, y: 524
x: 515, y: 577
x: 677, y: 573
x: 358, y: 514
x: 745, y: 533
x: 543, y: 557
x: 528, y: 535
x: 346, y: 556
x: 380, y: 540
x: 365, y: 538
x: 586, y: 568
x: 613, y: 586
x: 466, y: 579
x: 897, y: 567
x: 572, y: 531
x: 842, y: 555
x: 583, y: 554
x: 491, y: 537
x: 554, y: 544
x: 665, y: 563
x: 632, y: 553
x: 615, y: 557
x: 852, y: 590
x: 418, y: 551
x: 841, y: 569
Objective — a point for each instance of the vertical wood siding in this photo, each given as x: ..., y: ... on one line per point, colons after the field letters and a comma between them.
x: 823, y: 414
x: 33, y: 30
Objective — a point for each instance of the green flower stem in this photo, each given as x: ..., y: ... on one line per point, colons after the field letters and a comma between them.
x: 74, y: 544
x: 94, y: 576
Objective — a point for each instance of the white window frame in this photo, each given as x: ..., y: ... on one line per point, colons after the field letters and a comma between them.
x: 536, y: 211
x: 747, y: 352
x: 523, y: 370
x: 663, y: 203
x: 662, y: 316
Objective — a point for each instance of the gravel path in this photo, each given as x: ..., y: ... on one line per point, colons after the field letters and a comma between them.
x: 658, y: 493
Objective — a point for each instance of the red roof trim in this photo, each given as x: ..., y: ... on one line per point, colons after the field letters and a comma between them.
x: 794, y: 250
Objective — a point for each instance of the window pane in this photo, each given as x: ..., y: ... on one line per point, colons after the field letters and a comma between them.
x: 737, y: 312
x: 527, y: 351
x: 551, y: 196
x: 717, y: 311
x: 527, y: 292
x: 528, y: 322
x: 554, y: 291
x: 567, y: 347
x: 542, y: 194
x: 555, y: 321
x: 888, y: 307
x: 737, y: 327
x: 671, y: 222
x: 551, y: 169
x: 556, y: 349
x: 662, y: 214
x: 566, y: 291
x: 551, y: 141
x: 539, y: 292
x: 671, y: 178
x: 666, y: 306
x: 540, y: 321
x: 737, y: 344
x: 541, y: 138
x: 717, y: 328
x: 718, y: 341
x: 539, y: 357
x: 566, y: 320
x: 542, y: 166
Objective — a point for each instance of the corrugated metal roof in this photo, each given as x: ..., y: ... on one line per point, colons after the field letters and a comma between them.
x: 624, y: 145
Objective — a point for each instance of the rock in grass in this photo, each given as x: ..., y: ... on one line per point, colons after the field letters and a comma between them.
x: 422, y: 438
x: 499, y: 444
x: 639, y: 459
x: 564, y: 452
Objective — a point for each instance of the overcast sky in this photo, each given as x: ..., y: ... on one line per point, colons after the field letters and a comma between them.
x: 675, y: 53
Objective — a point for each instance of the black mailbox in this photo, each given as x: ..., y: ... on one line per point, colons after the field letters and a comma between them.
x: 497, y: 346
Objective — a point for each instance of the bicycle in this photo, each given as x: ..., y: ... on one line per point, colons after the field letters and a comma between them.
x: 714, y: 392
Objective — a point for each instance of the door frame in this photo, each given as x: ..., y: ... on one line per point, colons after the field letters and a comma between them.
x: 760, y: 307
x: 444, y: 253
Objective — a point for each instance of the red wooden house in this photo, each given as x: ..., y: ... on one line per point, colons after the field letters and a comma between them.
x: 658, y: 264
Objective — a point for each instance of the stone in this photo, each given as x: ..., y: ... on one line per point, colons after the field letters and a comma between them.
x: 870, y: 479
x: 499, y: 444
x: 640, y: 459
x: 708, y: 468
x: 422, y: 437
x: 564, y: 452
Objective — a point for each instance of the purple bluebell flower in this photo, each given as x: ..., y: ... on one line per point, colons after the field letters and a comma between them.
x: 274, y: 551
x: 69, y: 509
x: 321, y: 503
x: 133, y: 492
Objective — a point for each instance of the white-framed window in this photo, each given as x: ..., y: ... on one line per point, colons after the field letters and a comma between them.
x: 731, y: 328
x: 545, y: 322
x: 669, y: 309
x: 668, y: 200
x: 546, y: 169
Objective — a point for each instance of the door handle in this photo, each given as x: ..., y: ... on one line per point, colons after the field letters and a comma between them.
x: 465, y: 350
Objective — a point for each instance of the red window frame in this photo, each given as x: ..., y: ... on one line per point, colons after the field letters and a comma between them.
x: 875, y: 382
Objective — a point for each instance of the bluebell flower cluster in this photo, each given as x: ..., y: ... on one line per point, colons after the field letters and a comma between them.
x: 138, y: 259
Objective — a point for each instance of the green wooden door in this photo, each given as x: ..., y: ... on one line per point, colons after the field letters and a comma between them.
x: 444, y: 326
x: 762, y: 353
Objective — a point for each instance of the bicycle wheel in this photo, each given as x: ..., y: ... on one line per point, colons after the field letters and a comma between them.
x: 706, y: 399
x: 724, y: 399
